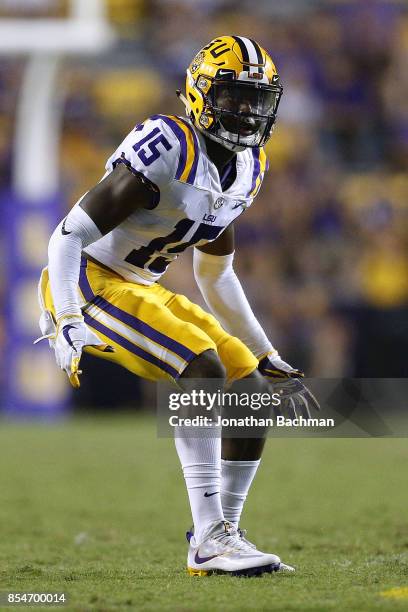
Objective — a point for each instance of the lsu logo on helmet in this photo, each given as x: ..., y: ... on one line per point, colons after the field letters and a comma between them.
x: 233, y: 92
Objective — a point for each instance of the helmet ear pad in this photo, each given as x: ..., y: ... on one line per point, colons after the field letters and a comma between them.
x: 198, y: 101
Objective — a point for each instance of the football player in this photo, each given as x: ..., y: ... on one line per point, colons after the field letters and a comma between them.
x: 178, y: 182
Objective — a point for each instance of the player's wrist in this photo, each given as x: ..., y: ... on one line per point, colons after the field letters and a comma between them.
x: 67, y: 318
x: 270, y: 353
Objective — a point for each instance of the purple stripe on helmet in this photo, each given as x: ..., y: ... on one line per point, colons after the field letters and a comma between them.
x: 193, y: 171
x: 182, y: 140
x: 126, y: 344
x: 84, y: 285
x: 256, y: 152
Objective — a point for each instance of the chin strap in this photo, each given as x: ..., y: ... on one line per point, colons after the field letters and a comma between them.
x: 184, y: 101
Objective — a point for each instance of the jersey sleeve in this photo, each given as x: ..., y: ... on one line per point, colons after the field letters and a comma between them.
x: 150, y: 149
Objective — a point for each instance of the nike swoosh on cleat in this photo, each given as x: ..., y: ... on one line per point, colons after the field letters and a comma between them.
x: 63, y: 230
x: 210, y: 494
x: 199, y: 559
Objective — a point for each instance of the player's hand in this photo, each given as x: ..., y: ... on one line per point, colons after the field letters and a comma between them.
x: 68, y: 338
x: 296, y: 398
x: 72, y: 335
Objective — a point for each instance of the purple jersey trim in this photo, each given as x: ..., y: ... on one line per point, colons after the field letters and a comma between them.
x: 193, y: 171
x: 181, y: 137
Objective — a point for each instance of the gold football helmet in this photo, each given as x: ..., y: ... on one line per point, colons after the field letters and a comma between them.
x: 233, y: 92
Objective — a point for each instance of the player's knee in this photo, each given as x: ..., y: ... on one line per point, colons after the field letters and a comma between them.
x: 205, y: 365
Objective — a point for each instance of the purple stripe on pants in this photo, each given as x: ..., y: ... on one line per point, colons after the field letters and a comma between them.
x: 144, y: 328
x: 126, y: 344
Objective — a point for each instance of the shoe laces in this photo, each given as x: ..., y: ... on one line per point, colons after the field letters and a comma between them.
x: 242, y: 534
x: 231, y: 539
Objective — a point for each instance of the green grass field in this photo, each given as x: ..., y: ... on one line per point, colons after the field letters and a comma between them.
x: 97, y: 508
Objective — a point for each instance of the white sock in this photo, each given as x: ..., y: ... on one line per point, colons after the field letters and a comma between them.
x: 236, y: 478
x: 201, y: 462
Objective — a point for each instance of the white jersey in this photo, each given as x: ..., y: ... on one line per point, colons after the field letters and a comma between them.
x: 191, y: 207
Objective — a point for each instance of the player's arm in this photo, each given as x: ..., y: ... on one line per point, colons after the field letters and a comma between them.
x: 224, y: 295
x: 104, y: 207
x: 117, y: 196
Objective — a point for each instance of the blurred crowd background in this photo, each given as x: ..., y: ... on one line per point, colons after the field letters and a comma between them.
x: 323, y: 252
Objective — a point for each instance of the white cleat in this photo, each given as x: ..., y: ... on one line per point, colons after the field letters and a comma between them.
x: 223, y: 551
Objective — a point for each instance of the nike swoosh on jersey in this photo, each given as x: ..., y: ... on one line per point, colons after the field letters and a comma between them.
x: 199, y: 559
x: 210, y: 494
x: 63, y: 230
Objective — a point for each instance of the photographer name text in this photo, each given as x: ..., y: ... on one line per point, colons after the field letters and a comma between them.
x: 248, y: 421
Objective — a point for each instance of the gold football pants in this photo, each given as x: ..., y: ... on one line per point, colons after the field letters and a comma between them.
x: 155, y: 333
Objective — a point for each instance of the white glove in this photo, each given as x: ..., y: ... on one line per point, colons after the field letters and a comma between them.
x: 68, y: 338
